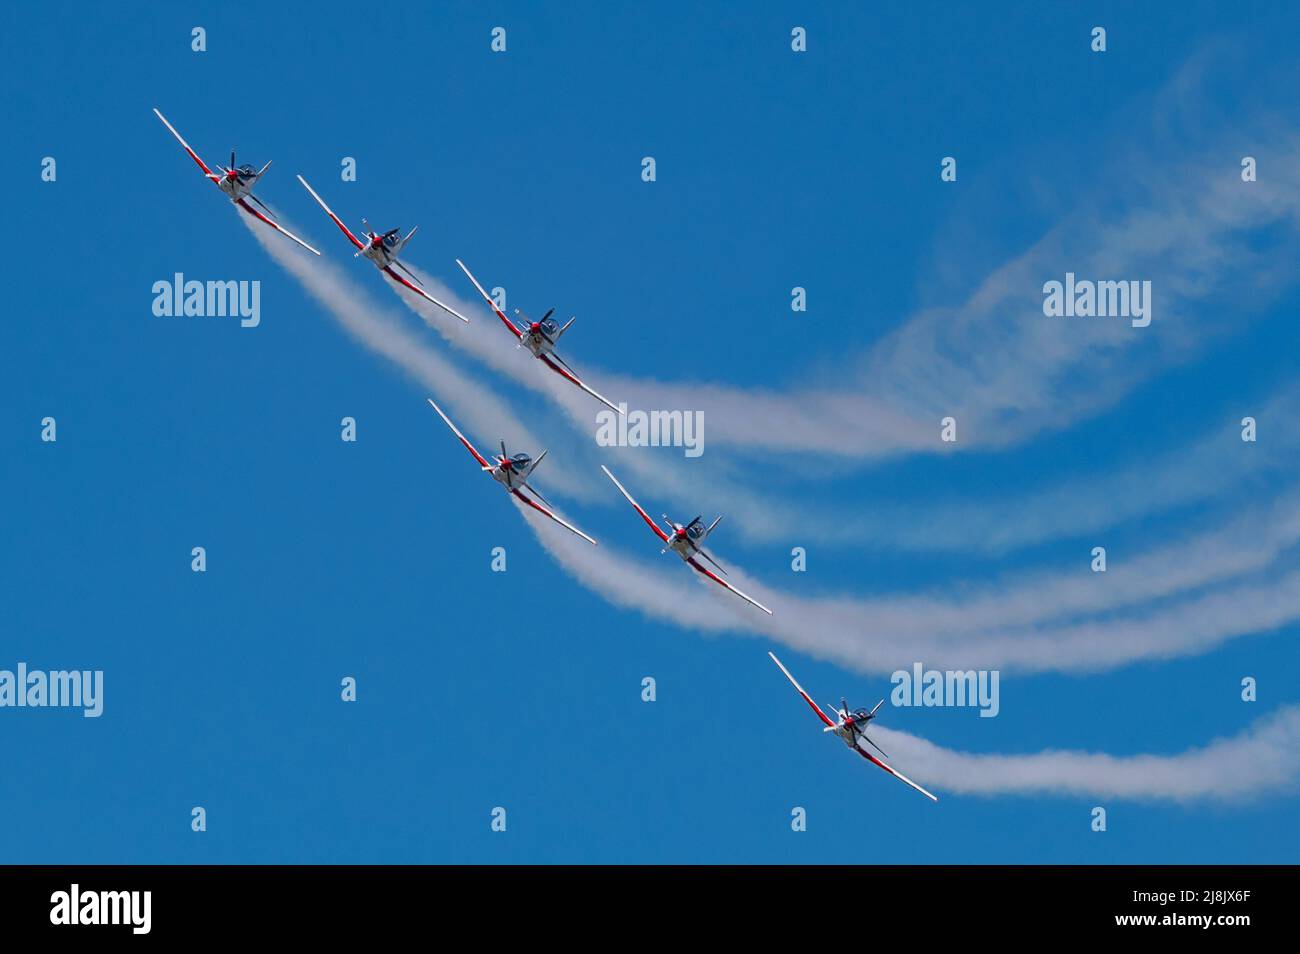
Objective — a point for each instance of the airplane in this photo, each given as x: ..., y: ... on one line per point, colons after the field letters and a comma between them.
x: 539, y: 337
x: 512, y: 472
x: 850, y: 726
x: 686, y: 542
x: 383, y: 249
x: 236, y: 182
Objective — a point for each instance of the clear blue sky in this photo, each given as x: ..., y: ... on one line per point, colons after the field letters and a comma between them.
x: 329, y: 559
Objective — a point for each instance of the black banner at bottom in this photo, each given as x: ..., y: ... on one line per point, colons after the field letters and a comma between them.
x: 183, y: 903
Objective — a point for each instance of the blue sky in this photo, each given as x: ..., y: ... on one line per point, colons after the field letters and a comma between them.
x: 522, y: 689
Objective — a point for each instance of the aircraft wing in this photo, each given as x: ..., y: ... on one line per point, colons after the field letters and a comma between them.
x: 468, y: 446
x: 898, y: 775
x: 546, y: 513
x: 723, y: 583
x: 337, y: 221
x: 269, y: 221
x: 572, y: 377
x: 806, y: 698
x: 193, y: 155
x: 491, y: 304
x: 644, y: 516
x: 388, y: 270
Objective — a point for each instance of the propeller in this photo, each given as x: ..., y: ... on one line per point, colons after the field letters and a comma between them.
x: 529, y: 326
x: 542, y: 331
x: 233, y: 170
x: 508, y: 462
x: 843, y: 713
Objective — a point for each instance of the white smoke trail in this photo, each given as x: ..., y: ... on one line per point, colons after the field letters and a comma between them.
x: 884, y: 636
x: 1263, y: 759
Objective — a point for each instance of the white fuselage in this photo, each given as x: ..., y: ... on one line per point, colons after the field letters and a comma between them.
x: 682, y: 544
x: 236, y: 187
x: 536, y: 342
x: 381, y: 253
x: 509, y: 475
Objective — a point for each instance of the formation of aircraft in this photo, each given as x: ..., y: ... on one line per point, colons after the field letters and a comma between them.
x: 850, y: 726
x: 513, y: 471
x: 539, y: 337
x: 237, y: 182
x: 685, y: 542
